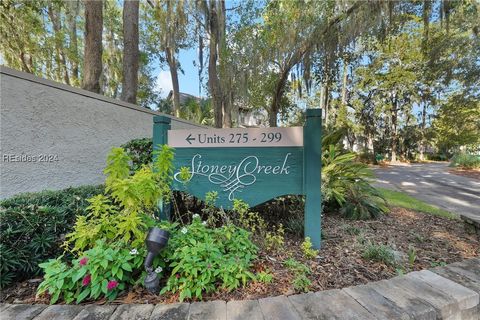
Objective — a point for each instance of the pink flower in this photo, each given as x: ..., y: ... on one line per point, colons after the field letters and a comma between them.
x: 83, y: 261
x: 86, y: 280
x: 112, y: 285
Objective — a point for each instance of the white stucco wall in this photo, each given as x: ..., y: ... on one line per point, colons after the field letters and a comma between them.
x: 42, y: 117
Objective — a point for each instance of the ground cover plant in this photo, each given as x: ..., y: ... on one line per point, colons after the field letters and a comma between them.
x: 400, y: 199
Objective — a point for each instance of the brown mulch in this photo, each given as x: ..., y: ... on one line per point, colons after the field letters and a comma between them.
x: 340, y: 264
x: 469, y: 173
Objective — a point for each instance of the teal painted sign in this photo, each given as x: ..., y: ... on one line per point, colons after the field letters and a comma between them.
x: 254, y: 165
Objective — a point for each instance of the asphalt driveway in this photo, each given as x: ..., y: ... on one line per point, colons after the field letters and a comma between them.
x: 433, y: 184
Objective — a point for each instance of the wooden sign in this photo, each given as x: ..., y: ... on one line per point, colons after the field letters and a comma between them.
x: 254, y: 165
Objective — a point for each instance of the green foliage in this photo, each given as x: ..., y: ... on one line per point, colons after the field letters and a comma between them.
x: 142, y: 190
x: 307, y: 250
x: 46, y: 38
x: 104, y: 270
x: 264, y: 277
x: 300, y: 271
x: 352, y: 230
x: 122, y: 215
x: 140, y: 151
x: 295, y: 225
x: 364, y: 202
x: 275, y: 239
x: 465, y: 160
x: 296, y: 266
x: 380, y: 253
x: 118, y: 166
x: 346, y: 184
x: 457, y: 123
x: 105, y: 222
x: 253, y: 222
x: 339, y: 172
x: 32, y: 227
x: 203, y: 259
x: 301, y: 283
x: 185, y: 174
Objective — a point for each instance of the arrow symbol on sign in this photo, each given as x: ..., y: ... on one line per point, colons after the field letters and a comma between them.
x: 189, y: 138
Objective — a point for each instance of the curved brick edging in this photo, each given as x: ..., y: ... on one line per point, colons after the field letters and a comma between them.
x: 450, y: 292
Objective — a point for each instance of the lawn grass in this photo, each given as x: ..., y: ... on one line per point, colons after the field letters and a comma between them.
x: 400, y: 199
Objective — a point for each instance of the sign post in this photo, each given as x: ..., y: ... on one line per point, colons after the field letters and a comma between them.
x: 312, y: 135
x: 254, y: 165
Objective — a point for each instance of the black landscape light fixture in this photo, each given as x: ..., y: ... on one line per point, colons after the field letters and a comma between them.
x: 156, y: 240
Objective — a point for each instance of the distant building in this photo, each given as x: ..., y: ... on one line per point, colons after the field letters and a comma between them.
x: 251, y: 118
x: 243, y: 116
x: 184, y: 97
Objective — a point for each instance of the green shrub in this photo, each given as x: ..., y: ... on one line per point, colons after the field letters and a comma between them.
x: 339, y: 172
x: 264, y: 277
x: 436, y: 157
x: 300, y: 271
x: 307, y: 250
x: 464, y: 160
x: 380, y: 253
x: 296, y: 266
x: 366, y: 157
x: 346, y: 184
x: 363, y: 202
x: 253, y: 222
x: 104, y: 270
x: 122, y: 215
x: 203, y: 259
x: 140, y: 151
x: 301, y: 283
x: 32, y: 227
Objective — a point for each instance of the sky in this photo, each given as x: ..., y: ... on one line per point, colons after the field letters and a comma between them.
x: 188, y: 81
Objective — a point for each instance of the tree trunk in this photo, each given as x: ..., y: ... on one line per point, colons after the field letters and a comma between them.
x: 343, y: 112
x: 228, y: 106
x: 423, y: 142
x: 172, y: 63
x: 394, y: 144
x: 213, y: 79
x: 25, y: 65
x: 60, y: 53
x: 277, y: 97
x: 227, y: 101
x: 72, y: 13
x: 130, y: 51
x: 344, y: 84
x: 92, y: 69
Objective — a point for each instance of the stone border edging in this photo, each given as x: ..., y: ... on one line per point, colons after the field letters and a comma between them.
x: 449, y: 292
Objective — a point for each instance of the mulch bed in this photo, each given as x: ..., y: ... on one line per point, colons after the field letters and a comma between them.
x: 340, y: 263
x: 469, y: 173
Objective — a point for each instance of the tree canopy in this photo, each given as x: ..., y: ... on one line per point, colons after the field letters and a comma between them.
x: 401, y: 78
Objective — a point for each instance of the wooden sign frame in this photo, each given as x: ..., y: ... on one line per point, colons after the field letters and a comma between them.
x: 273, y: 162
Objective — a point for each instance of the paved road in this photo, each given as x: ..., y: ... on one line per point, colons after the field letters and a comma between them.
x: 433, y: 184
